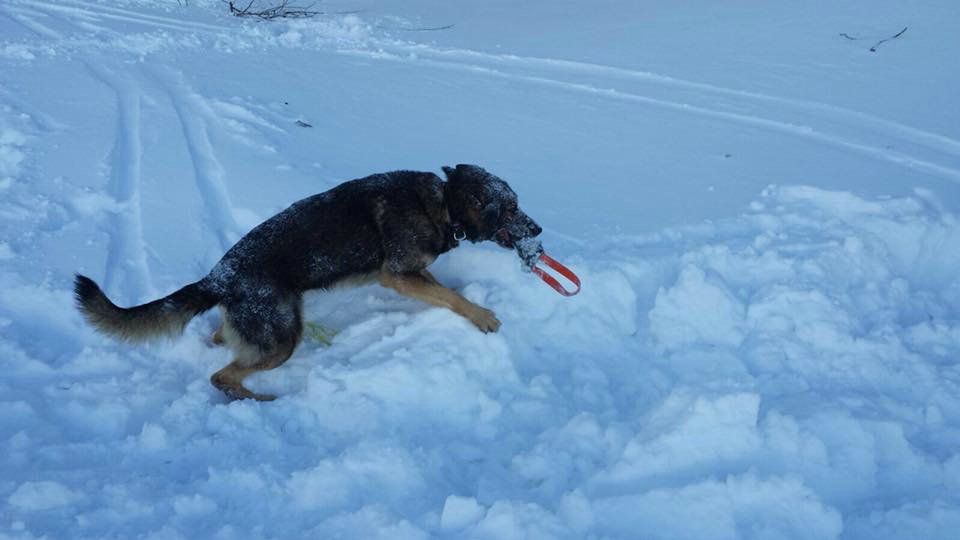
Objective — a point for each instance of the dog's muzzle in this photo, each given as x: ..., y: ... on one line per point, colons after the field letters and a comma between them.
x: 520, y: 227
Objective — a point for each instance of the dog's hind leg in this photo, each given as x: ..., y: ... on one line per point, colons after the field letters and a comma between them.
x: 250, y: 360
x: 229, y: 380
x: 263, y: 336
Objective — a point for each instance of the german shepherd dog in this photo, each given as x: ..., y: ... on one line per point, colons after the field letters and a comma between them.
x: 386, y: 227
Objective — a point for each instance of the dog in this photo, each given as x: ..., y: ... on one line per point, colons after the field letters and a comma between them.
x: 385, y: 228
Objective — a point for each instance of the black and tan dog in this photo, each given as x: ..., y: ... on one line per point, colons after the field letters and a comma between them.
x: 385, y: 227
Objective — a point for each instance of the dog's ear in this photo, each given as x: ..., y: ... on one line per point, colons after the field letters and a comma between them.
x: 465, y: 172
x: 468, y: 169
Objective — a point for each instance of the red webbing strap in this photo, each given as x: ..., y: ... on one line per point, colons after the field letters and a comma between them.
x: 552, y: 281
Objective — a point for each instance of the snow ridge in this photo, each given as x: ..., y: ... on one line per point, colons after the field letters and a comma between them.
x: 745, y: 360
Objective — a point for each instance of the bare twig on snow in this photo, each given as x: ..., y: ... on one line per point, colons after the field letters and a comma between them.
x: 882, y: 41
x: 895, y: 36
x: 282, y: 10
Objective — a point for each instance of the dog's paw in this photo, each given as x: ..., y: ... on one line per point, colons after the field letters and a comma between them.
x: 485, y: 320
x: 238, y: 393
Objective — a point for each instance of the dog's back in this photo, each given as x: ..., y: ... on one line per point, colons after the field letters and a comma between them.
x: 316, y: 243
x: 337, y: 235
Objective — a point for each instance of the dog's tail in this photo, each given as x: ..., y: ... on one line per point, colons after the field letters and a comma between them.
x: 164, y: 317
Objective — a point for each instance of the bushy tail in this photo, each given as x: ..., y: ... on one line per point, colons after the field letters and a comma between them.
x: 164, y: 317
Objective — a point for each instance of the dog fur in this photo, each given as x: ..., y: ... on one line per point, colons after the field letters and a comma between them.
x: 386, y: 227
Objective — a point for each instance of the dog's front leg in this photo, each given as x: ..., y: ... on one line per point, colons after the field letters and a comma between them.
x: 424, y: 287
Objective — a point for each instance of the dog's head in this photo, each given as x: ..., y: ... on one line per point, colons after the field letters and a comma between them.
x: 486, y: 207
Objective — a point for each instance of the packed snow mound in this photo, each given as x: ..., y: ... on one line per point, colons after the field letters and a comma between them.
x: 742, y: 362
x: 787, y: 374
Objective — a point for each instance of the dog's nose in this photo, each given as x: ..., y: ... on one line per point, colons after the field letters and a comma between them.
x: 535, y: 229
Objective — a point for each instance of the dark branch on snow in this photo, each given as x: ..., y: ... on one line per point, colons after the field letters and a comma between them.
x: 882, y: 41
x: 895, y: 36
x: 283, y: 10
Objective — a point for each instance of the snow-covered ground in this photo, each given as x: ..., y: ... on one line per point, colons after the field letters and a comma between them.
x: 763, y: 213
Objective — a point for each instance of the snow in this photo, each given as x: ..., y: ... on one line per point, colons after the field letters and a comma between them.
x: 38, y: 496
x: 460, y: 512
x: 764, y: 216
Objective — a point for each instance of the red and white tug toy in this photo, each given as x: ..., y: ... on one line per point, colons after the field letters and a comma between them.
x: 531, y: 252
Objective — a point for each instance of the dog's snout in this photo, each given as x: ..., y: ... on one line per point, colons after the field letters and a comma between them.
x: 521, y: 226
x: 530, y: 227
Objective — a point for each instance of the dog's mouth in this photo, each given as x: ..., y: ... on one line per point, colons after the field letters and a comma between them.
x: 503, y: 238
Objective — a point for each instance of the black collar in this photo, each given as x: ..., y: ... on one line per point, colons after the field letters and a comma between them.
x: 456, y: 234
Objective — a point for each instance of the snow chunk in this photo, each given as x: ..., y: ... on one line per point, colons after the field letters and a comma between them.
x: 697, y: 310
x: 930, y: 520
x: 11, y: 151
x: 153, y: 437
x: 373, y: 521
x: 16, y: 51
x: 576, y: 512
x: 194, y: 505
x: 688, y: 435
x: 459, y: 512
x: 88, y: 204
x: 739, y: 507
x: 339, y: 482
x: 509, y: 520
x: 37, y: 496
x: 6, y: 253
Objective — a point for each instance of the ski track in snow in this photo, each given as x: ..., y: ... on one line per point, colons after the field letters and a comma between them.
x: 789, y: 372
x: 127, y: 271
x: 829, y: 112
x: 99, y: 12
x: 41, y: 120
x: 817, y: 117
x: 195, y: 116
x: 893, y: 131
x: 26, y: 18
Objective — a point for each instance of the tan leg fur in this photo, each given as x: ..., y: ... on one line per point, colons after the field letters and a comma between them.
x: 424, y: 287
